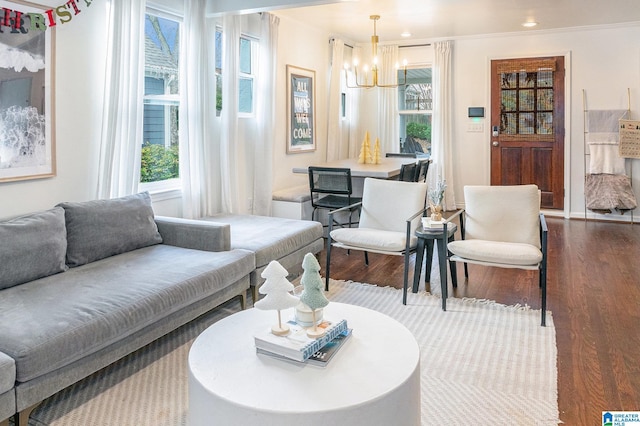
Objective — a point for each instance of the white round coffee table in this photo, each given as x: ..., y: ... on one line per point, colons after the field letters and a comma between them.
x: 373, y: 380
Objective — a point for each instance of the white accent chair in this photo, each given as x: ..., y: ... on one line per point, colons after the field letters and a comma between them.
x: 390, y: 213
x: 502, y: 226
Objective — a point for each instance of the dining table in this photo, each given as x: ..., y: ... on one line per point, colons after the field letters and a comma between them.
x: 388, y: 168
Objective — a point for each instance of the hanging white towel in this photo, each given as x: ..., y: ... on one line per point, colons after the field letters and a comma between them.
x: 605, y: 159
x: 603, y: 138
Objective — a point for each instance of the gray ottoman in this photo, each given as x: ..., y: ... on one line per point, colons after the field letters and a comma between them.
x: 7, y: 393
x: 273, y: 238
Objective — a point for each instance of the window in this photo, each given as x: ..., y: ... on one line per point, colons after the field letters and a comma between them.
x: 415, y: 104
x: 160, y: 141
x: 246, y: 77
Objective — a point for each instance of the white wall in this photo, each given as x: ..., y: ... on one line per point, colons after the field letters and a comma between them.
x: 80, y: 47
x: 604, y: 62
x: 303, y: 47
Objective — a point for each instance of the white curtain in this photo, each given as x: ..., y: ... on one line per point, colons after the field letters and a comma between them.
x: 356, y: 129
x: 388, y: 122
x: 197, y: 89
x: 229, y: 140
x: 119, y: 166
x: 335, y: 144
x: 441, y: 138
x: 265, y: 115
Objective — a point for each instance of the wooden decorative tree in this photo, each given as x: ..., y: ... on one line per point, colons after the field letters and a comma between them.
x: 365, y: 150
x: 313, y: 293
x: 376, y: 152
x: 276, y: 289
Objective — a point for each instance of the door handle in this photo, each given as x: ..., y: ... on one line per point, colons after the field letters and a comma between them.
x: 495, y: 143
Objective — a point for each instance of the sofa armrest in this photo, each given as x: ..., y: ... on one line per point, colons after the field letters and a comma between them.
x: 194, y: 234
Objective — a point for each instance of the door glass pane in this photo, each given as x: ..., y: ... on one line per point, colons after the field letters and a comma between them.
x: 527, y: 100
x: 526, y: 103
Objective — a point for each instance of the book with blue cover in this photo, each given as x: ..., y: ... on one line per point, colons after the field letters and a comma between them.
x: 321, y: 357
x: 297, y: 345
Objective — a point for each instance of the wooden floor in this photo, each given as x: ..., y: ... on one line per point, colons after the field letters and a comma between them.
x: 594, y: 296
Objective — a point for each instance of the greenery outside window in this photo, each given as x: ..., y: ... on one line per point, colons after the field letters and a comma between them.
x: 160, y: 160
x: 415, y: 105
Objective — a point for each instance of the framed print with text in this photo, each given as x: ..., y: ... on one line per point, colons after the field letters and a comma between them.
x: 27, y: 146
x: 300, y: 110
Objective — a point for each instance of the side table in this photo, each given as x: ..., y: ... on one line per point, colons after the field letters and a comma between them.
x: 426, y: 239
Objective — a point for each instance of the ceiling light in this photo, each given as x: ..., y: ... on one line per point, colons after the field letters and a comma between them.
x: 405, y: 34
x: 529, y: 24
x: 374, y: 68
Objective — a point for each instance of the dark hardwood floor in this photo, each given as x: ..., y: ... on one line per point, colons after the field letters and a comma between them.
x: 594, y: 297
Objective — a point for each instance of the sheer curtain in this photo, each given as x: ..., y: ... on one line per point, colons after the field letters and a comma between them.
x: 335, y: 144
x: 356, y: 130
x: 119, y: 166
x: 265, y: 115
x: 388, y: 124
x: 196, y: 118
x: 441, y: 148
x: 229, y: 140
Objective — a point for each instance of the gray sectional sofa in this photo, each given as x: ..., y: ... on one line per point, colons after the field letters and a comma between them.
x: 272, y: 238
x: 84, y: 284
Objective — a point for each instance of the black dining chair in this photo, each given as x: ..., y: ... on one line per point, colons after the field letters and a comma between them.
x: 331, y: 189
x: 408, y: 172
x: 423, y: 168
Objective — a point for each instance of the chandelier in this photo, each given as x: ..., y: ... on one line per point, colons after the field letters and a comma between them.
x: 361, y: 83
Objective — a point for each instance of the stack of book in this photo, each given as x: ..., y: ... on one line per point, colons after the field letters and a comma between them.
x: 297, y: 346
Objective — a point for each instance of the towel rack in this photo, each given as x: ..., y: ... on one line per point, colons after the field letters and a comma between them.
x: 627, y: 169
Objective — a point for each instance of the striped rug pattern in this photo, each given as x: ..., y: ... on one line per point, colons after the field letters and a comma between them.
x: 482, y: 363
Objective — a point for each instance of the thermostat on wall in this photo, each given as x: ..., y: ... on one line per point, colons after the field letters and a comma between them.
x: 476, y: 111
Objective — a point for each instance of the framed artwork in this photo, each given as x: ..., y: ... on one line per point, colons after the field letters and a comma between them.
x: 301, y: 117
x: 27, y: 146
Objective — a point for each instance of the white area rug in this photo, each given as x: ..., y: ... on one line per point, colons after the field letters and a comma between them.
x: 482, y: 364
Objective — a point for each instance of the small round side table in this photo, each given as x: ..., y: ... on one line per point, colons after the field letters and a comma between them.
x: 426, y: 239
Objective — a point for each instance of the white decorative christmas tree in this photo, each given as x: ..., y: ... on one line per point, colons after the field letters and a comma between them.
x: 376, y: 152
x: 276, y: 289
x: 313, y: 293
x: 365, y: 150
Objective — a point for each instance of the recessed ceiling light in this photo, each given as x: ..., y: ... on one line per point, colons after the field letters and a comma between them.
x: 405, y: 34
x: 529, y: 24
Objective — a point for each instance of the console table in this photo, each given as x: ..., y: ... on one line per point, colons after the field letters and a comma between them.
x: 373, y: 380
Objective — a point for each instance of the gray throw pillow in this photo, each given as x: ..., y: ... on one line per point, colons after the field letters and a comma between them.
x: 32, y: 246
x: 103, y: 228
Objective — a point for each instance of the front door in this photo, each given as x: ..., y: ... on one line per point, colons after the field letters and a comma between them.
x: 527, y: 125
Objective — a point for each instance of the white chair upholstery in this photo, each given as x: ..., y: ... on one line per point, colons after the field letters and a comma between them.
x: 502, y: 226
x: 390, y: 212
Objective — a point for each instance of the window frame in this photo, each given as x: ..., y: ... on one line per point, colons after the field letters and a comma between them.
x: 252, y: 75
x: 166, y: 100
x: 407, y: 112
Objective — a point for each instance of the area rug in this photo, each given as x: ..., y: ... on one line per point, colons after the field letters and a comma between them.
x: 482, y: 363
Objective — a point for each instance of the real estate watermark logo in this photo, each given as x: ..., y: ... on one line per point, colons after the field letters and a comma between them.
x: 621, y: 418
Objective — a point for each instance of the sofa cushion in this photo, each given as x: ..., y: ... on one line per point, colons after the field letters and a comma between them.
x: 33, y: 246
x: 7, y: 373
x: 497, y: 252
x: 106, y: 301
x: 270, y: 238
x: 373, y: 239
x: 103, y: 228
